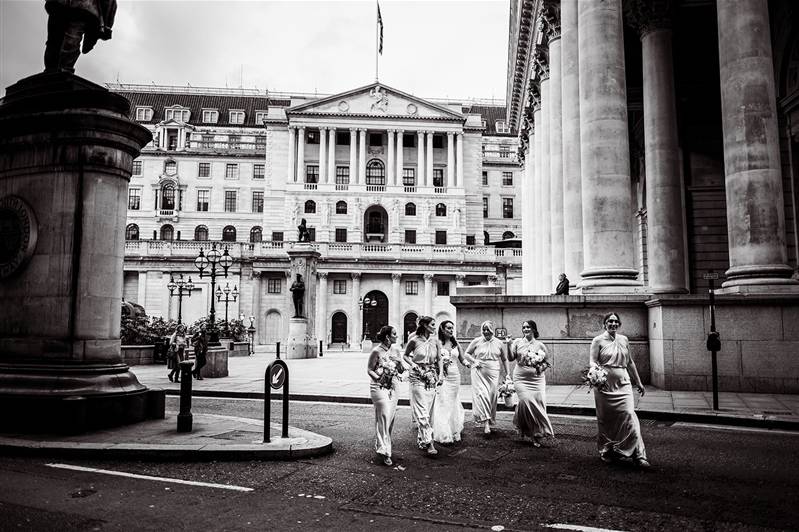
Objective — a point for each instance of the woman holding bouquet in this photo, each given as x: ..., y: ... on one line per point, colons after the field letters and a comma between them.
x: 530, y: 384
x: 487, y: 353
x: 423, y: 355
x: 447, y: 416
x: 619, y: 430
x: 384, y: 368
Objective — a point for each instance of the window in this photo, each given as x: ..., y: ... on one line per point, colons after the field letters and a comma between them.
x: 260, y: 117
x: 342, y: 138
x: 277, y: 236
x: 178, y: 114
x: 441, y: 209
x: 438, y: 141
x: 507, y: 179
x: 441, y: 238
x: 231, y: 171
x: 201, y: 233
x: 485, y: 207
x: 168, y: 197
x: 204, y: 170
x: 504, y: 152
x: 410, y: 209
x: 502, y: 127
x: 134, y: 199
x: 408, y: 140
x: 236, y: 117
x: 132, y: 232
x: 256, y: 234
x: 136, y: 168
x: 210, y: 116
x: 375, y: 173
x: 229, y: 234
x: 438, y: 177
x: 312, y: 137
x: 470, y: 240
x: 375, y: 139
x: 442, y: 288
x: 260, y: 143
x: 409, y: 177
x: 341, y: 234
x: 258, y: 171
x: 507, y: 207
x: 411, y: 288
x: 207, y: 141
x: 410, y: 236
x: 485, y: 179
x: 310, y: 207
x: 170, y: 167
x: 339, y: 286
x: 311, y: 173
x: 167, y: 232
x: 342, y: 175
x: 230, y: 200
x: 273, y: 286
x: 234, y: 142
x: 507, y: 234
x: 341, y: 207
x: 203, y: 200
x: 258, y: 201
x: 312, y: 234
x: 144, y: 114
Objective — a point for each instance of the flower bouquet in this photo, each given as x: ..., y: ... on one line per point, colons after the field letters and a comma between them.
x: 446, y: 358
x: 427, y: 375
x: 595, y: 376
x: 536, y: 360
x: 508, y: 393
x: 388, y: 372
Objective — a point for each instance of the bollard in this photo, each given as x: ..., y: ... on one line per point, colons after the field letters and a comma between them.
x: 278, y: 350
x: 184, y: 416
x: 321, y: 343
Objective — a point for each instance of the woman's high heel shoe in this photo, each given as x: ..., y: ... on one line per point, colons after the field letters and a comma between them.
x: 169, y: 376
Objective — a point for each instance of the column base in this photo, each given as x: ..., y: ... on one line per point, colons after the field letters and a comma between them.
x: 768, y: 276
x: 299, y: 344
x: 760, y: 289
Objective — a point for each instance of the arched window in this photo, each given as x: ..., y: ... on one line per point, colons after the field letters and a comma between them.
x: 507, y: 234
x: 132, y: 232
x: 256, y: 234
x: 168, y: 197
x: 200, y: 233
x: 410, y: 209
x: 441, y: 210
x: 341, y: 207
x: 486, y: 238
x: 170, y: 167
x: 375, y: 172
x: 167, y: 232
x: 310, y: 207
x: 229, y: 234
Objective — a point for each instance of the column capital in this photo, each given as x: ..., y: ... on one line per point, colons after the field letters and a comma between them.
x: 541, y: 62
x: 301, y: 128
x: 450, y: 133
x: 255, y: 274
x: 396, y: 277
x: 534, y: 91
x: 401, y: 131
x: 649, y: 15
x: 355, y: 276
x: 323, y: 128
x: 353, y: 130
x: 322, y: 275
x: 362, y: 129
x: 550, y: 15
x: 428, y: 277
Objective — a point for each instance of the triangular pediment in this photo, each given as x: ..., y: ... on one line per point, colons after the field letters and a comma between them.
x: 376, y: 100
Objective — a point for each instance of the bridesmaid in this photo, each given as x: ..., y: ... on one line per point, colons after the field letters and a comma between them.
x: 423, y: 355
x: 487, y: 353
x: 619, y: 432
x: 384, y: 399
x: 531, y: 413
x: 447, y: 416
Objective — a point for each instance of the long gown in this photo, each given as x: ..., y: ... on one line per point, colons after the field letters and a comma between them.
x: 423, y: 398
x: 447, y: 416
x: 485, y: 379
x: 618, y: 426
x: 385, y: 402
x: 531, y: 413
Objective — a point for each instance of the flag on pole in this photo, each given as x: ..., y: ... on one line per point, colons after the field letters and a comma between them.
x: 380, y: 30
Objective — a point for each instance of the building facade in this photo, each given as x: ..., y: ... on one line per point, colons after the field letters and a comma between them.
x: 404, y: 199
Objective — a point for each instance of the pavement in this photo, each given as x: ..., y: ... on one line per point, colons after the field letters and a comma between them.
x: 340, y: 376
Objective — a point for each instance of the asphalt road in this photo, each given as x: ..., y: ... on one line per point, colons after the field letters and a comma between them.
x: 702, y: 478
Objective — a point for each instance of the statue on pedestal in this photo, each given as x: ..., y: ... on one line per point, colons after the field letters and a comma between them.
x: 298, y: 296
x: 69, y: 23
x: 303, y: 234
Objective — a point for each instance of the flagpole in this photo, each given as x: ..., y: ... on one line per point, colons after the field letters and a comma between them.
x: 377, y: 39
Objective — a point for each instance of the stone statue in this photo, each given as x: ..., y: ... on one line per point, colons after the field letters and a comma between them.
x: 298, y: 296
x: 69, y: 23
x: 303, y: 235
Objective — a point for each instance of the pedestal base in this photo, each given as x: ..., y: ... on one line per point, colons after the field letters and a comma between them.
x: 299, y: 344
x: 216, y: 363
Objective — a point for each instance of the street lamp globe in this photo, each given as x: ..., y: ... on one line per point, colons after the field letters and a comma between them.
x: 189, y: 286
x: 201, y: 262
x: 226, y: 261
x: 213, y: 255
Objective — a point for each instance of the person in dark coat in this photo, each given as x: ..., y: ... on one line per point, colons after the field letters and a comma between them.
x: 70, y: 22
x: 563, y: 286
x: 200, y: 343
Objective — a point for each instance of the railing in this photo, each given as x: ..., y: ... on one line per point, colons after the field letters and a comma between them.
x: 166, y: 213
x: 410, y: 190
x: 342, y: 187
x: 375, y: 188
x: 224, y: 146
x: 311, y: 186
x: 440, y: 190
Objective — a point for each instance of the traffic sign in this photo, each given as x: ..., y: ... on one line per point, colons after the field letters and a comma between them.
x: 277, y: 376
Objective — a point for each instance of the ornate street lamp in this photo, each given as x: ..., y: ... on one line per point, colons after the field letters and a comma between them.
x: 183, y: 288
x: 251, y: 333
x: 228, y: 292
x: 213, y: 260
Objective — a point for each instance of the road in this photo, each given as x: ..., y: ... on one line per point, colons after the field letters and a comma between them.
x: 703, y: 478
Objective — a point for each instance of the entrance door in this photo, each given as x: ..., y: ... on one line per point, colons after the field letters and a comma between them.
x: 374, y: 315
x: 273, y: 326
x: 409, y: 326
x: 338, y: 334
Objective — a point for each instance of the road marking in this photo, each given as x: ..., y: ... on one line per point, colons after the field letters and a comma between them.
x: 578, y: 527
x: 147, y: 477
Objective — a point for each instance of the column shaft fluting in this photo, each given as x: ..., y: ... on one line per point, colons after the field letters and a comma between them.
x: 555, y: 161
x: 353, y: 155
x: 400, y: 159
x: 528, y: 219
x: 322, y: 312
x: 331, y: 157
x: 459, y: 159
x: 357, y: 330
x: 323, y: 155
x: 428, y: 294
x: 450, y: 159
x: 300, y: 155
x: 546, y: 190
x: 420, y: 178
x: 391, y: 173
x: 362, y: 157
x: 394, y: 317
x: 538, y: 204
x: 290, y: 160
x: 429, y: 159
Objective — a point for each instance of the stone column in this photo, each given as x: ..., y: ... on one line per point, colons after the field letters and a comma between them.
x: 300, y: 155
x: 400, y: 161
x: 538, y: 188
x: 572, y: 186
x: 459, y: 159
x: 555, y: 146
x: 450, y: 159
x: 605, y: 152
x: 428, y: 294
x: 420, y: 177
x: 528, y: 217
x: 361, y: 159
x: 302, y: 340
x: 546, y: 280
x: 357, y: 328
x: 429, y: 158
x: 753, y: 179
x: 256, y: 306
x: 665, y: 241
x: 331, y: 156
x: 290, y: 160
x: 323, y: 155
x: 353, y: 156
x: 391, y: 173
x: 142, y: 289
x: 322, y: 324
x: 394, y: 308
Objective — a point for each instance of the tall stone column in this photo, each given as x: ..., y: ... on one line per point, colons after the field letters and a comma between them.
x: 753, y: 179
x: 357, y: 328
x: 429, y: 158
x: 391, y: 173
x: 555, y: 145
x: 302, y: 340
x: 420, y: 178
x: 546, y: 170
x: 66, y: 152
x: 361, y: 158
x: 256, y: 307
x: 450, y: 159
x: 605, y: 152
x: 528, y: 217
x: 331, y: 156
x: 142, y: 289
x: 394, y: 308
x: 665, y: 241
x: 322, y: 323
x: 290, y: 160
x: 428, y: 294
x: 323, y: 155
x: 300, y: 155
x: 459, y: 159
x: 400, y: 160
x: 353, y: 156
x: 572, y: 186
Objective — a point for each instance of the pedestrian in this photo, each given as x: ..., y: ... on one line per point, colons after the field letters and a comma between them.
x: 200, y: 343
x: 423, y: 355
x: 486, y: 354
x: 177, y: 349
x: 385, y: 368
x: 563, y: 286
x: 619, y: 431
x: 530, y: 354
x: 447, y: 416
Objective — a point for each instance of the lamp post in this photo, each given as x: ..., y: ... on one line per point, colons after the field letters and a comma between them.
x: 251, y: 333
x: 365, y: 303
x: 213, y: 260
x: 182, y: 287
x: 228, y: 292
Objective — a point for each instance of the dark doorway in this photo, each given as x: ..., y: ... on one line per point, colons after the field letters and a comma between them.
x: 409, y: 325
x: 374, y: 315
x: 338, y: 332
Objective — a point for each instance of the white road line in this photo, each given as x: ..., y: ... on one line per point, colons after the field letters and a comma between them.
x: 578, y: 527
x: 147, y: 477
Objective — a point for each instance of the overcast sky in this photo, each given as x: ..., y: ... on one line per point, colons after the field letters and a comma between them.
x: 455, y: 49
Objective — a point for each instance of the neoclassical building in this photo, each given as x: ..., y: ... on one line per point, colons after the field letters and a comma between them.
x: 405, y: 199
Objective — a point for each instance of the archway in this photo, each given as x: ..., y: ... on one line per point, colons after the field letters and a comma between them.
x: 375, y: 224
x: 409, y: 325
x: 338, y: 328
x: 374, y: 316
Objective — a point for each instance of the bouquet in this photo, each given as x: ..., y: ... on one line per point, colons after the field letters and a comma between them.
x: 427, y: 375
x: 507, y: 393
x: 388, y: 371
x: 595, y: 376
x: 536, y: 360
x: 446, y: 358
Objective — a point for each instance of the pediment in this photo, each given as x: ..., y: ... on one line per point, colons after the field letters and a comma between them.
x: 376, y: 100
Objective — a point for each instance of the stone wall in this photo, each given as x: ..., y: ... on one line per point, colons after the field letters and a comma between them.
x: 136, y: 355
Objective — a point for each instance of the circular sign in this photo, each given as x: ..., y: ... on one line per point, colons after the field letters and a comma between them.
x: 277, y: 376
x: 18, y: 235
x: 343, y: 106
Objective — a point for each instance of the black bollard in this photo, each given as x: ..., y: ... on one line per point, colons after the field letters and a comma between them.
x: 278, y: 350
x: 184, y: 416
x: 321, y: 343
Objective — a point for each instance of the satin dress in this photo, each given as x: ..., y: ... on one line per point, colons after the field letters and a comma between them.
x: 385, y: 402
x: 530, y: 416
x: 423, y: 397
x: 618, y: 427
x: 485, y: 379
x: 447, y: 417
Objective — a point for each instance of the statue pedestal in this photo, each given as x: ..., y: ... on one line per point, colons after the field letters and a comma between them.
x: 302, y: 340
x: 66, y: 152
x: 300, y: 344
